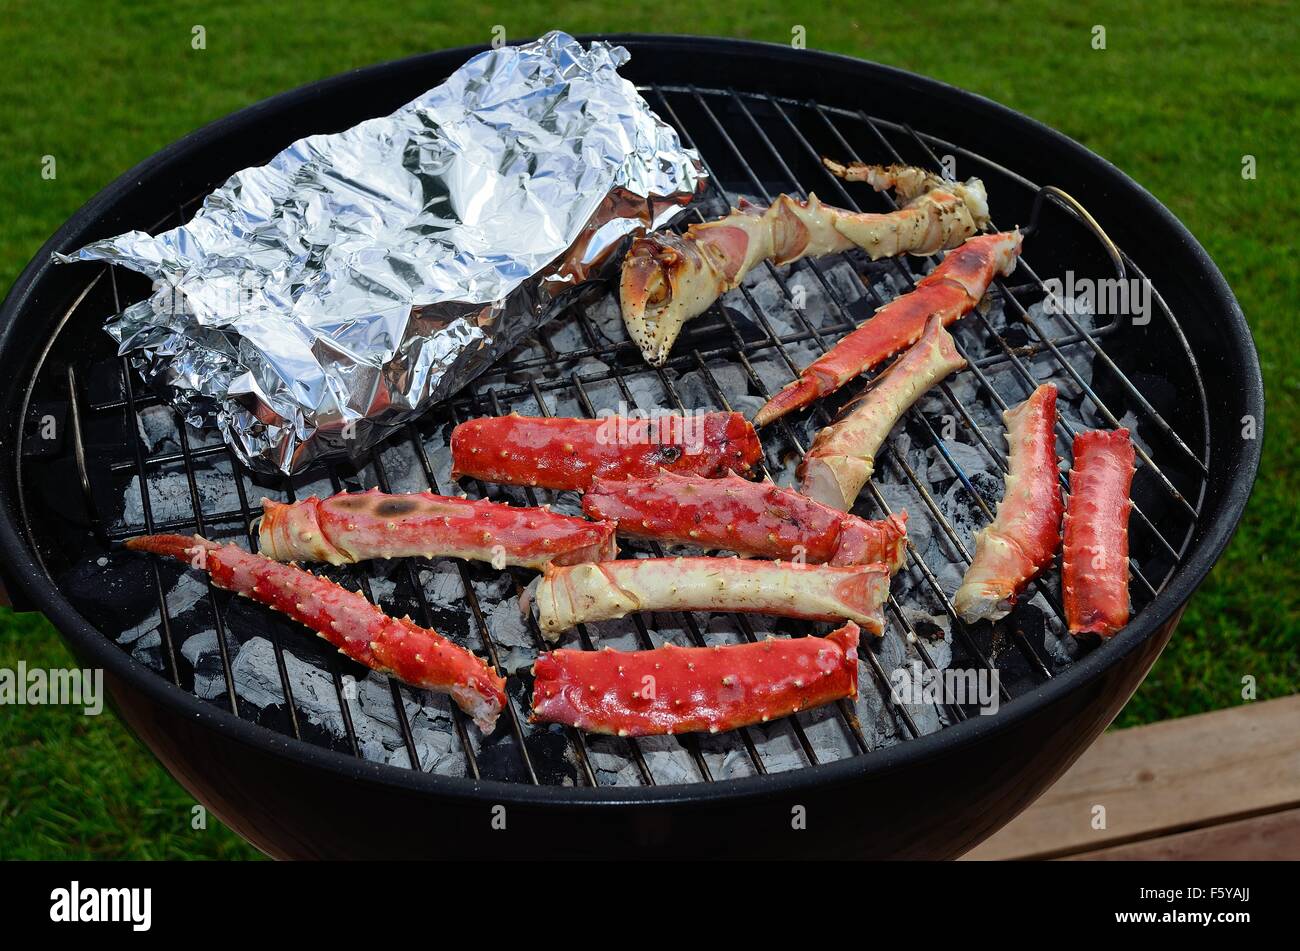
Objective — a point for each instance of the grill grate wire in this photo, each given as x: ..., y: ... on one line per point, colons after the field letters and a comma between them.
x: 722, y: 338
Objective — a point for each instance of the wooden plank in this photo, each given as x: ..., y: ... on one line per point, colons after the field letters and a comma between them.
x: 1164, y: 778
x: 1274, y: 836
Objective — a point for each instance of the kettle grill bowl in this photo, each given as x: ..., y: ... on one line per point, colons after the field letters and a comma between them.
x: 933, y: 796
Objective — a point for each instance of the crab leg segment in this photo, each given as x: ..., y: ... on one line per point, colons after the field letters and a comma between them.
x: 613, y: 589
x: 413, y: 654
x: 1025, y: 533
x: 561, y: 453
x: 693, y: 689
x: 1094, y: 561
x: 905, y: 181
x: 347, y: 528
x: 947, y: 292
x: 669, y: 278
x: 752, y: 518
x: 843, y: 455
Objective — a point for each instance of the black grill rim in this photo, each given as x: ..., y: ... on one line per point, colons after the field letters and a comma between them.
x: 25, y: 576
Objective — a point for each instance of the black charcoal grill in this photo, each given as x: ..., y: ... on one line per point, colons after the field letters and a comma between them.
x: 304, y: 754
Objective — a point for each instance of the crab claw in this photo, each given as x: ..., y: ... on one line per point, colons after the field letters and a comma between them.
x: 646, y: 290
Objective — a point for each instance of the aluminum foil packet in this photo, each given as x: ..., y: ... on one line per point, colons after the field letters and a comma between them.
x: 315, y: 303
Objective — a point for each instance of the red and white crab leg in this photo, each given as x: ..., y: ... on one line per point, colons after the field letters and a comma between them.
x: 843, y: 455
x: 670, y: 278
x: 566, y: 453
x: 413, y: 654
x: 351, y: 527
x: 752, y: 518
x: 1025, y: 533
x: 694, y: 689
x: 948, y: 292
x: 578, y: 594
x: 1094, y: 559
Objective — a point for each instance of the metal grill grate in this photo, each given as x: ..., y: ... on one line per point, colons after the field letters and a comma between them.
x: 757, y: 146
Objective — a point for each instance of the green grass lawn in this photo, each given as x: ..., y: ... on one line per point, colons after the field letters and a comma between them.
x: 1181, y: 92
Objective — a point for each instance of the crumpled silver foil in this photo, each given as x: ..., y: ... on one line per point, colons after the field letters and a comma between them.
x: 315, y: 303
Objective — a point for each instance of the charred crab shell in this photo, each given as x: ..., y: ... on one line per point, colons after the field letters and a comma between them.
x: 347, y: 528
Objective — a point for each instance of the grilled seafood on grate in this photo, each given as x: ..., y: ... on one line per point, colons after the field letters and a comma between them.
x: 1026, y: 532
x: 351, y: 527
x: 1094, y: 559
x: 694, y: 689
x: 751, y: 518
x: 949, y: 291
x: 669, y: 278
x: 843, y: 455
x: 400, y: 647
x: 566, y: 453
x: 577, y: 594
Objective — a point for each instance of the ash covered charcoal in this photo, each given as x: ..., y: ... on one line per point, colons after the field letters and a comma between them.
x: 601, y: 389
x: 957, y: 459
x: 400, y: 469
x: 204, y: 654
x: 442, y: 585
x: 567, y: 503
x: 880, y: 725
x: 726, y: 758
x: 375, y: 719
x: 170, y: 499
x: 148, y: 651
x: 846, y: 287
x: 181, y: 599
x: 963, y: 511
x: 607, y: 317
x: 159, y: 429
x: 370, y: 705
x: 612, y: 762
x: 772, y: 372
x: 827, y: 732
x: 701, y: 390
x: 256, y: 676
x: 928, y: 717
x: 668, y: 760
x: 565, y: 336
x: 777, y: 746
x: 621, y: 633
x: 429, y: 716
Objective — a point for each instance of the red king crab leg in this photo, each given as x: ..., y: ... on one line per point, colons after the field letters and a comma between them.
x: 752, y: 518
x: 347, y: 528
x: 843, y: 455
x: 669, y: 278
x: 1094, y: 560
x: 693, y: 689
x: 1025, y: 533
x: 413, y: 654
x: 613, y: 589
x: 561, y: 453
x: 949, y: 291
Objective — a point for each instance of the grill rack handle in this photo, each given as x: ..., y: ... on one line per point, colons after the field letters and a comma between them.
x: 1071, y: 204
